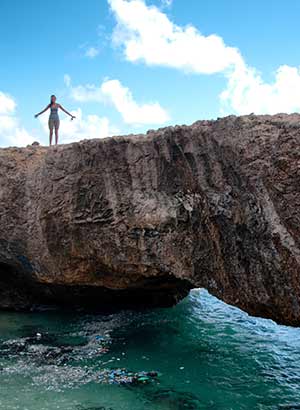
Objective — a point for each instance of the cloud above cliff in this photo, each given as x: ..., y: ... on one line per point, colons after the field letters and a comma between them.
x: 7, y: 104
x: 246, y: 92
x: 132, y: 112
x: 11, y: 131
x: 112, y: 92
x: 92, y: 52
x: 147, y: 35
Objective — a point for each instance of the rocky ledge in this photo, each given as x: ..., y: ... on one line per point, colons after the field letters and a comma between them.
x: 140, y: 220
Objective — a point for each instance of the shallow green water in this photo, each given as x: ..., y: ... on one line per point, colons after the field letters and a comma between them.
x: 209, y: 355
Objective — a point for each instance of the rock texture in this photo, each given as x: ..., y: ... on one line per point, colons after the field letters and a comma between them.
x: 139, y: 220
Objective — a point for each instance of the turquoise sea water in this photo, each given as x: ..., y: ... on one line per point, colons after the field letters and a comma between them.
x: 208, y: 355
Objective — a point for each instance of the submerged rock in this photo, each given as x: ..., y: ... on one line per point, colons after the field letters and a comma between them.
x: 123, y: 376
x: 80, y: 407
x: 139, y: 220
x: 37, y: 352
x: 175, y: 400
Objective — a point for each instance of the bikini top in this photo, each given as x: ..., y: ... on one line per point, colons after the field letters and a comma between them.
x: 54, y: 112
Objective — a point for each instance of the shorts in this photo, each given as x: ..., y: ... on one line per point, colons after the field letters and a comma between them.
x: 53, y: 123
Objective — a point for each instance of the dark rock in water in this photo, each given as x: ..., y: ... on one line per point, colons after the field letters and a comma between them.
x: 93, y: 408
x: 39, y: 353
x: 126, y: 377
x: 139, y: 220
x: 175, y: 400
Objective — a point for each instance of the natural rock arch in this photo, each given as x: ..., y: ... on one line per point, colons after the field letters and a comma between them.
x: 139, y: 220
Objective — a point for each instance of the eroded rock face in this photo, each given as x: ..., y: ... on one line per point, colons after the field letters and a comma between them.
x: 139, y: 220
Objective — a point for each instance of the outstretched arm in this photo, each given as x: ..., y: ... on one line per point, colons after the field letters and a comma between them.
x: 45, y: 109
x: 62, y: 108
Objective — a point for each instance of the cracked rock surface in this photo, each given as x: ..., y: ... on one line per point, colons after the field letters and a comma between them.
x: 139, y: 220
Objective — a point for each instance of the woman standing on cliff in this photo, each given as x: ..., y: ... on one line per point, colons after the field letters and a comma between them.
x: 54, y: 118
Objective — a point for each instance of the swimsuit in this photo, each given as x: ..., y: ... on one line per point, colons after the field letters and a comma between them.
x: 53, y: 118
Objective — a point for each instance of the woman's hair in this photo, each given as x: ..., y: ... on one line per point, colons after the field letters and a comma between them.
x: 51, y: 99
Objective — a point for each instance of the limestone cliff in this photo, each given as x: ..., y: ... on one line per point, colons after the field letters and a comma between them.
x: 139, y: 220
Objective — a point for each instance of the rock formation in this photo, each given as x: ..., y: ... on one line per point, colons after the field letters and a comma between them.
x: 139, y: 220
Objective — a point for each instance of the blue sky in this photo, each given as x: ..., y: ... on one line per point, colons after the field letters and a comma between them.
x: 125, y: 66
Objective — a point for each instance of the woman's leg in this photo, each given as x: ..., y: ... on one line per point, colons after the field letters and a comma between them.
x: 50, y: 123
x: 56, y: 132
x: 56, y: 135
x: 50, y: 137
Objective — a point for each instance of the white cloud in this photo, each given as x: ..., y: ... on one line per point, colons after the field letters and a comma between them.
x: 82, y: 127
x: 166, y: 3
x: 246, y: 92
x: 87, y: 92
x: 7, y: 104
x: 11, y: 132
x: 132, y: 113
x: 147, y: 35
x: 113, y: 92
x: 91, y: 52
x: 67, y: 80
x: 83, y: 93
x: 21, y: 137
